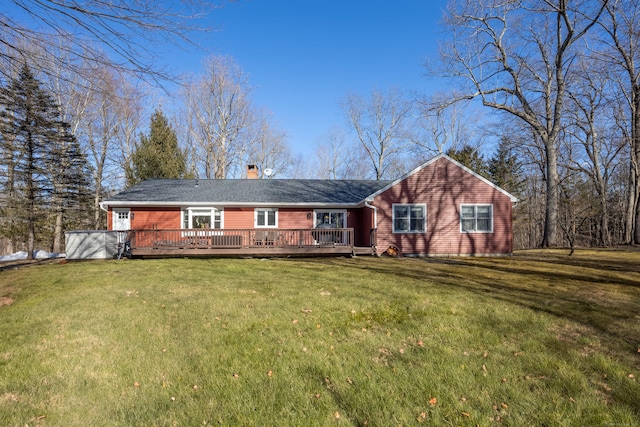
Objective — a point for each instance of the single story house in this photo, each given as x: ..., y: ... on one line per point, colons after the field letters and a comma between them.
x: 439, y: 208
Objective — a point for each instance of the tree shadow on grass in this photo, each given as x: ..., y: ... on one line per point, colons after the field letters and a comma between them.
x: 589, y: 292
x: 14, y: 265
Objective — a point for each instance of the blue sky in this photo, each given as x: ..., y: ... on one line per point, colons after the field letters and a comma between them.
x: 303, y: 57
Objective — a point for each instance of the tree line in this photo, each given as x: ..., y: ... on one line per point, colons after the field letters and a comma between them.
x: 544, y: 100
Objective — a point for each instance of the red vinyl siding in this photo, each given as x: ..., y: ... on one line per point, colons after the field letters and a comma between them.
x: 443, y: 187
x: 150, y: 217
x: 295, y: 218
x: 153, y: 217
x: 238, y: 218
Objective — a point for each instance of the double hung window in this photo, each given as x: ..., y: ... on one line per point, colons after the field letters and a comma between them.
x: 266, y: 218
x: 476, y: 218
x: 409, y: 218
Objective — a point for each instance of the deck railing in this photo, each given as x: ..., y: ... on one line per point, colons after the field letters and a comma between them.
x: 239, y: 238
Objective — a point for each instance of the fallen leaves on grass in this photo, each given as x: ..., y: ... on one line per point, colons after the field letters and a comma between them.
x: 433, y: 401
x: 422, y: 417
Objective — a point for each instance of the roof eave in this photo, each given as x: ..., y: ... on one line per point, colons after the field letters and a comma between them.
x: 128, y: 203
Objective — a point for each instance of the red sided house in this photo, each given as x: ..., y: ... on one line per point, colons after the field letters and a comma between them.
x: 439, y: 208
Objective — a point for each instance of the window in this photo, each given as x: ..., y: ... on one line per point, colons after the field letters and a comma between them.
x: 201, y: 218
x: 476, y: 218
x: 266, y: 218
x: 409, y: 218
x: 330, y: 218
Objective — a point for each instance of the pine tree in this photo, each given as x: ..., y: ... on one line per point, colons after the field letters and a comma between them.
x: 43, y: 170
x: 505, y: 169
x: 471, y: 158
x: 157, y: 155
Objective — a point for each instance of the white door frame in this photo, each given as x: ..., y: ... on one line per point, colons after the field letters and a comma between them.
x: 121, y: 219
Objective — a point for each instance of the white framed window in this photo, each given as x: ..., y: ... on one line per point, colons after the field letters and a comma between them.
x: 409, y: 218
x: 476, y: 218
x: 265, y: 218
x: 330, y: 218
x: 201, y: 218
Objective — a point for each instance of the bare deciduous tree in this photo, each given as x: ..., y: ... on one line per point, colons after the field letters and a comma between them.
x: 128, y: 104
x: 443, y: 126
x: 337, y: 158
x: 268, y: 148
x: 221, y: 116
x: 380, y: 124
x: 515, y: 56
x: 119, y: 33
x: 590, y: 124
x: 621, y: 24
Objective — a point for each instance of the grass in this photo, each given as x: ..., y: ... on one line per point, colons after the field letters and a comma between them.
x: 536, y: 339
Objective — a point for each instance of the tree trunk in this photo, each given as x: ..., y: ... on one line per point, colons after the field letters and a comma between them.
x: 550, y: 237
x: 31, y: 240
x: 635, y: 159
x: 632, y: 197
x: 605, y: 235
x: 96, y: 203
x: 57, y: 233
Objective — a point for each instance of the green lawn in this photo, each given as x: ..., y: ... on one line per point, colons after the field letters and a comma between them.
x: 539, y: 338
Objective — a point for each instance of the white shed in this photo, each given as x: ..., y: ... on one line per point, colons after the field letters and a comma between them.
x: 92, y: 244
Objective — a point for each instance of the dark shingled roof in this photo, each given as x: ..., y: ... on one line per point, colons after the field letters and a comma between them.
x: 247, y: 191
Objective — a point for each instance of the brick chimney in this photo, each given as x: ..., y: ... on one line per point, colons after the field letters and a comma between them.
x: 252, y: 172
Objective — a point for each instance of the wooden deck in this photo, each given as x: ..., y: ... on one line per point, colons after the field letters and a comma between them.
x: 244, y: 242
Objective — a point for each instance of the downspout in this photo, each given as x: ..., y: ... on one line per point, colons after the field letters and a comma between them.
x: 106, y: 209
x: 367, y: 204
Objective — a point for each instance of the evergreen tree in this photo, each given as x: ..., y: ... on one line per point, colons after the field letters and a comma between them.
x: 505, y: 169
x: 42, y: 168
x: 157, y: 155
x: 471, y: 158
